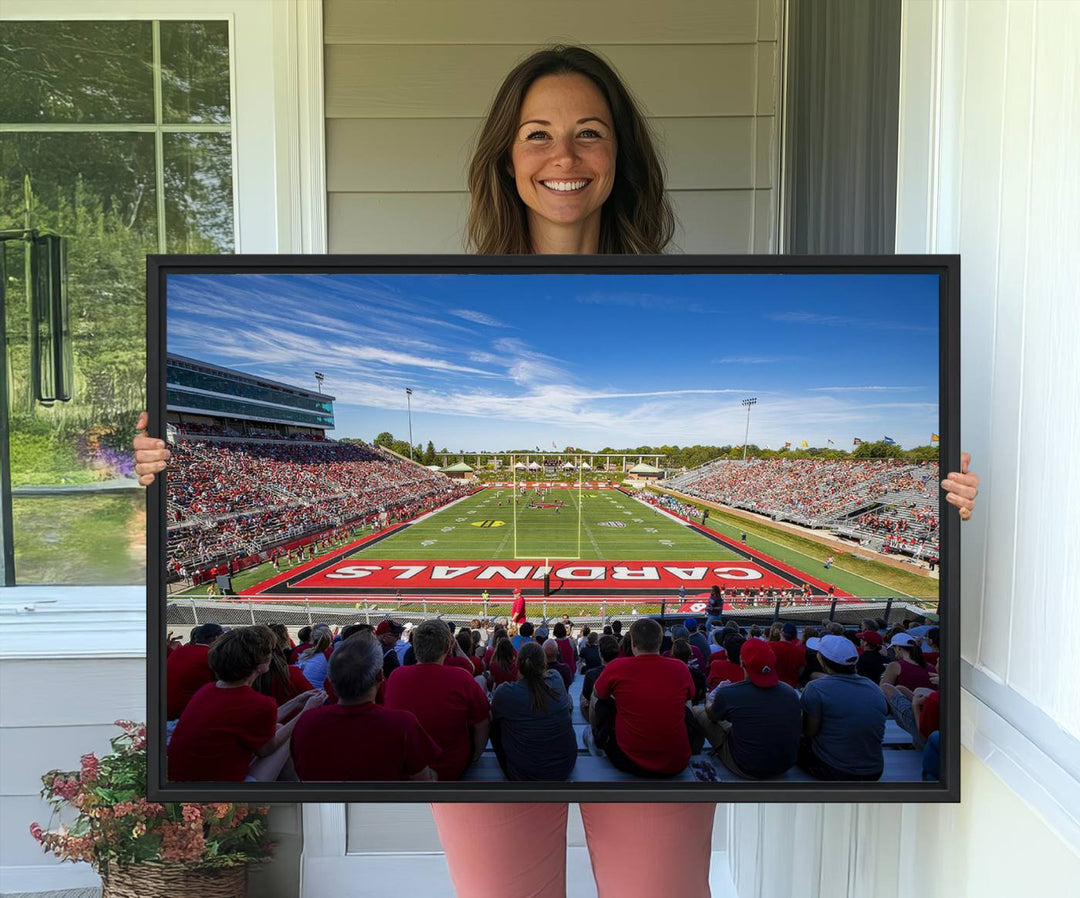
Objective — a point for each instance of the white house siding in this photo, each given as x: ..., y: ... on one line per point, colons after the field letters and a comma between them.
x: 408, y: 82
x: 989, y: 142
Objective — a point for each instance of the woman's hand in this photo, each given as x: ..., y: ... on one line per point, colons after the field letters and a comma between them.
x: 150, y: 453
x: 962, y: 488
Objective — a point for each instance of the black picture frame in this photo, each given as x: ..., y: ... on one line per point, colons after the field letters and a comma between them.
x: 946, y: 789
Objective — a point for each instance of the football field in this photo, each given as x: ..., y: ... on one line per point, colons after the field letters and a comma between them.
x: 588, y: 543
x: 607, y: 525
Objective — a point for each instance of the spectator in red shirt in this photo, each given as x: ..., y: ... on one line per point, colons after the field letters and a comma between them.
x: 172, y: 643
x: 726, y: 667
x: 447, y: 701
x: 497, y: 634
x: 790, y: 655
x: 680, y: 632
x: 567, y: 649
x: 187, y: 669
x: 227, y: 722
x: 465, y: 642
x: 282, y: 681
x: 503, y: 665
x: 933, y: 639
x: 639, y: 711
x: 357, y: 740
x: 517, y: 613
x: 910, y: 669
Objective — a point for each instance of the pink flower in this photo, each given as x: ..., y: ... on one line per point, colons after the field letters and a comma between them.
x: 89, y: 767
x: 36, y: 832
x: 181, y: 842
x: 192, y: 813
x: 65, y: 788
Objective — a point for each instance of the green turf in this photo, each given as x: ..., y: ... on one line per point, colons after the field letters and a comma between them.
x: 544, y: 533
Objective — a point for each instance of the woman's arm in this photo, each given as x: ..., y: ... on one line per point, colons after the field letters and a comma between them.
x: 892, y: 671
x: 293, y: 703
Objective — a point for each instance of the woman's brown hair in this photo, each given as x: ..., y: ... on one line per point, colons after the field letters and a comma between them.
x: 504, y: 654
x: 532, y: 666
x: 279, y: 666
x: 637, y: 216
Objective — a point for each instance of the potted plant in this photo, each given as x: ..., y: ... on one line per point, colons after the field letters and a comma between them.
x: 142, y: 848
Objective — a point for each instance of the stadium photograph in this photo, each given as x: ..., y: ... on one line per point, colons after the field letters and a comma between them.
x: 559, y: 528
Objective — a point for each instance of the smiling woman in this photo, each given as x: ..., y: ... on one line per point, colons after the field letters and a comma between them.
x: 560, y: 118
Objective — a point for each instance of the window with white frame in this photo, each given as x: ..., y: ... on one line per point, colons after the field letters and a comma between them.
x: 118, y: 136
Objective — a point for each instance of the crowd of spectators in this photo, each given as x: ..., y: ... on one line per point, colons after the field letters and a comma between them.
x: 808, y: 489
x: 240, y: 498
x: 424, y: 701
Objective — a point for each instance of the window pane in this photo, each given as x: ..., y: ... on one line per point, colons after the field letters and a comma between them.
x: 195, y: 72
x: 98, y: 191
x: 198, y: 193
x: 84, y: 540
x: 76, y: 72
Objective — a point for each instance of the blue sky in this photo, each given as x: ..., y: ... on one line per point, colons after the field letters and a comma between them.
x: 502, y: 361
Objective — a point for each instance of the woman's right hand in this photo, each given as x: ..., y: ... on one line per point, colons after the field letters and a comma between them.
x: 150, y: 453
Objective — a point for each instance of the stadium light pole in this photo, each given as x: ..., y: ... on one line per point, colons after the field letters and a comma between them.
x: 408, y: 399
x: 319, y: 378
x: 748, y: 403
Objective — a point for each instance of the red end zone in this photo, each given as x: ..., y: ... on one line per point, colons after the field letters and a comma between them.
x: 617, y: 576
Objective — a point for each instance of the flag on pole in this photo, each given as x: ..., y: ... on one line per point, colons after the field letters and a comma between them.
x: 889, y: 441
x: 934, y: 438
x: 856, y: 442
x: 554, y: 445
x: 805, y: 445
x: 831, y: 443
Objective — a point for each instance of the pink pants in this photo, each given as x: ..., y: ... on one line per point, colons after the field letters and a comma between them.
x: 637, y: 850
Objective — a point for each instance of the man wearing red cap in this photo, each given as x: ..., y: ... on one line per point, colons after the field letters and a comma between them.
x: 517, y: 613
x: 872, y: 662
x: 754, y: 724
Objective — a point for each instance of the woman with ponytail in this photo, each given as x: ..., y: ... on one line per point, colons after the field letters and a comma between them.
x: 531, y: 730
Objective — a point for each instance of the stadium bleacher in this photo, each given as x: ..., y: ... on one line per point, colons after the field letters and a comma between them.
x: 229, y: 497
x: 885, y: 504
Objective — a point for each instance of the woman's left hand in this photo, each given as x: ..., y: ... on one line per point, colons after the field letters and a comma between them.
x: 962, y: 487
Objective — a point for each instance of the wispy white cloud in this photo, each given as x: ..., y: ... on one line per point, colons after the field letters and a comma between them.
x: 477, y: 317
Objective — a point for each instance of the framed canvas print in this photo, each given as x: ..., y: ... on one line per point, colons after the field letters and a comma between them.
x: 554, y: 528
